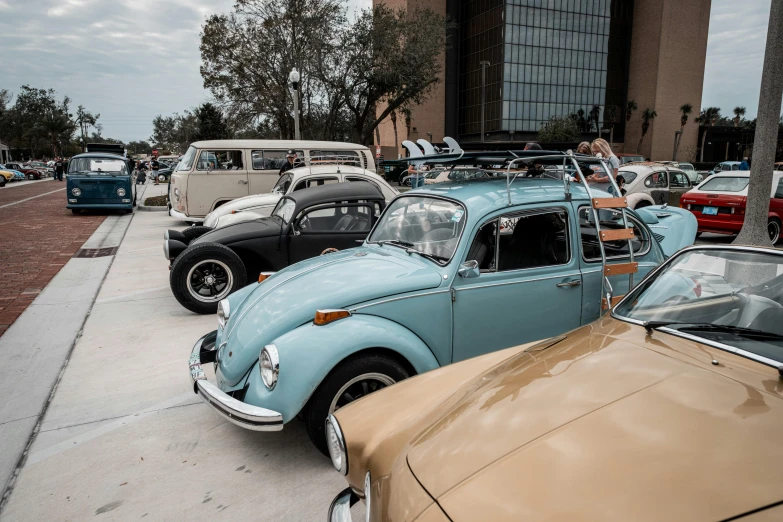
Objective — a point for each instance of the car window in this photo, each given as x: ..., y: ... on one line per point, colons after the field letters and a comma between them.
x: 273, y: 159
x: 609, y: 219
x: 349, y: 219
x: 220, y: 160
x: 779, y: 190
x: 735, y: 167
x: 725, y: 184
x: 656, y: 180
x: 367, y: 180
x: 678, y: 179
x: 315, y: 182
x: 628, y: 175
x: 283, y: 184
x: 284, y: 209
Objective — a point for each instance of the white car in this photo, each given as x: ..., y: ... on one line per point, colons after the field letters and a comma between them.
x: 653, y: 184
x: 261, y: 205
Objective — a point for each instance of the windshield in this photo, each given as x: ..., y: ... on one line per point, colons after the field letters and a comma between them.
x: 424, y: 224
x: 98, y: 166
x: 726, y: 184
x: 733, y: 297
x: 187, y: 160
x: 283, y: 184
x: 284, y: 209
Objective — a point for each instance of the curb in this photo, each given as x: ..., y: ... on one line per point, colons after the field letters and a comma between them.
x: 145, y: 208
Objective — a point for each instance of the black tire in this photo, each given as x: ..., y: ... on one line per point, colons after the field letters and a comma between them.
x: 320, y: 404
x: 773, y: 228
x: 197, y: 263
x: 76, y: 210
x: 192, y: 233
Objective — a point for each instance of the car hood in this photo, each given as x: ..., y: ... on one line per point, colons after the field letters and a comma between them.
x: 241, y: 217
x: 241, y: 231
x: 291, y: 297
x: 240, y: 204
x: 598, y: 428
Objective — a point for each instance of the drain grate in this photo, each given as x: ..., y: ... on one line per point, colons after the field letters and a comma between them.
x: 96, y: 252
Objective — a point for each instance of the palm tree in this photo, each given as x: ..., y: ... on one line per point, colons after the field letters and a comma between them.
x: 629, y: 108
x: 56, y: 127
x: 581, y: 114
x: 594, y: 114
x: 611, y: 114
x: 739, y: 112
x: 685, y: 110
x: 647, y: 117
x: 707, y: 119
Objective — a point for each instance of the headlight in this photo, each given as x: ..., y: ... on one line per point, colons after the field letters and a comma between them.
x: 224, y: 308
x: 120, y: 192
x: 269, y: 364
x: 76, y: 191
x: 176, y: 194
x: 336, y: 445
x: 367, y: 484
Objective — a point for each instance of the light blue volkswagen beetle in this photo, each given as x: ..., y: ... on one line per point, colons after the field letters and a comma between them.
x: 449, y: 272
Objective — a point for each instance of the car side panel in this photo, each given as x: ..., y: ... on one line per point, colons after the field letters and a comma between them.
x: 309, y: 353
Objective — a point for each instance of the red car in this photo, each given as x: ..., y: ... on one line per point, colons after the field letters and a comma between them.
x: 29, y: 172
x: 719, y: 203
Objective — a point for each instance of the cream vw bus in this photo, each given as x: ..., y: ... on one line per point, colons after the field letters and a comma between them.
x: 212, y: 173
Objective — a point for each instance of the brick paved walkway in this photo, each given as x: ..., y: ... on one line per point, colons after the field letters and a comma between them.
x: 37, y: 237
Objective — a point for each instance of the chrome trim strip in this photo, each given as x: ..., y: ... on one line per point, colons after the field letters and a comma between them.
x: 559, y: 276
x: 237, y: 412
x: 340, y: 508
x: 384, y: 301
x: 724, y: 347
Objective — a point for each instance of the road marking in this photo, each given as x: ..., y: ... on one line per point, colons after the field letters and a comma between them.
x: 28, y: 199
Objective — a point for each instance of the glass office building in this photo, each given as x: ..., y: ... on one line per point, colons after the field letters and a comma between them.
x: 543, y: 58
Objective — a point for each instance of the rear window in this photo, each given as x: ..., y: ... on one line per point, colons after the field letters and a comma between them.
x: 627, y: 175
x: 727, y: 184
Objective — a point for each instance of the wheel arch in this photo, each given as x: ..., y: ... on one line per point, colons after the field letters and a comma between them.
x: 635, y: 199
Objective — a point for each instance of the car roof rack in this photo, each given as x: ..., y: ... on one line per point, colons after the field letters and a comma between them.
x: 508, y: 159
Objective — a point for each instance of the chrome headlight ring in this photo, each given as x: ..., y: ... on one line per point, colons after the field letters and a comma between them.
x: 367, y: 495
x: 120, y: 192
x: 269, y: 365
x: 76, y: 191
x: 223, y: 311
x: 335, y: 443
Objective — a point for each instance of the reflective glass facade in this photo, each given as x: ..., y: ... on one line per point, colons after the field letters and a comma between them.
x: 548, y: 58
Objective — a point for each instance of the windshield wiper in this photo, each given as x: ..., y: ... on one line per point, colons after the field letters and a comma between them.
x: 652, y: 325
x: 738, y: 330
x: 395, y: 242
x: 431, y: 257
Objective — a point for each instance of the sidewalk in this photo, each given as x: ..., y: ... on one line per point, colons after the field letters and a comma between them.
x: 126, y: 437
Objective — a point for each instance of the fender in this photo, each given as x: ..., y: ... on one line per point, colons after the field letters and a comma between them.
x: 309, y: 353
x: 637, y: 197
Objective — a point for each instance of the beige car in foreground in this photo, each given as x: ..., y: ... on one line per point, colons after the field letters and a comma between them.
x: 669, y: 409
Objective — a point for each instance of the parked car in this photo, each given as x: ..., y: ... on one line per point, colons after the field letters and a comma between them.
x: 653, y: 184
x: 7, y: 175
x: 436, y: 282
x: 304, y: 224
x: 212, y: 173
x: 719, y: 203
x: 99, y: 180
x: 29, y: 172
x: 672, y: 396
x: 261, y: 205
x: 457, y: 174
x: 15, y: 175
x: 629, y: 158
x: 2, y: 179
x: 407, y: 180
x: 725, y: 166
x: 779, y: 165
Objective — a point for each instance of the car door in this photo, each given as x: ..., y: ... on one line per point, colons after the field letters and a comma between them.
x: 657, y: 186
x: 679, y: 184
x: 529, y: 286
x: 334, y: 225
x: 219, y: 176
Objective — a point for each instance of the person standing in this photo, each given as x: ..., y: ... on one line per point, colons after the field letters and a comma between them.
x: 744, y: 165
x: 290, y: 158
x: 600, y: 147
x: 59, y: 169
x: 154, y: 167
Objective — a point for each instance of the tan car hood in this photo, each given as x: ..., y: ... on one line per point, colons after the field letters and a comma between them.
x: 650, y: 435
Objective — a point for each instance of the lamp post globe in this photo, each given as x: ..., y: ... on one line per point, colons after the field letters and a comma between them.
x: 293, y: 80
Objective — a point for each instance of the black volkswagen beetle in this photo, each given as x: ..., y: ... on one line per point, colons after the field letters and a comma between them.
x: 304, y: 224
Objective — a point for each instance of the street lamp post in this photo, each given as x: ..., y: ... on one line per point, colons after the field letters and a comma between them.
x: 293, y: 81
x: 484, y: 64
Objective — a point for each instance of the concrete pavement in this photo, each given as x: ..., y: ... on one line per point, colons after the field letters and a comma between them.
x: 125, y: 437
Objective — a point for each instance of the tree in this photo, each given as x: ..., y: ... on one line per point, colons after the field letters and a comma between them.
x: 648, y: 115
x: 685, y: 110
x: 739, y: 112
x: 57, y: 128
x: 559, y: 129
x: 139, y: 147
x: 630, y: 107
x: 756, y: 226
x: 85, y: 120
x: 707, y: 119
x: 211, y: 125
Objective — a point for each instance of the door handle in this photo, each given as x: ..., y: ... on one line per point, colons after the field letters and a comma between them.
x: 242, y: 181
x: 575, y: 282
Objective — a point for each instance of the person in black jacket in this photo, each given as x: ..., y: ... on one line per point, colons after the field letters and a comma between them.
x: 289, y: 163
x: 59, y: 169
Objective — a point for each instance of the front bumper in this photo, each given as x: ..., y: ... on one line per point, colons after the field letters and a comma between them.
x: 179, y: 215
x: 340, y: 510
x: 244, y: 415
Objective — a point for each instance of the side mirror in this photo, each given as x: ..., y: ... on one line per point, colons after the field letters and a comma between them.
x: 469, y: 269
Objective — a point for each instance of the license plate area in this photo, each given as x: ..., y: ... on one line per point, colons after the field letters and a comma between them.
x: 710, y: 211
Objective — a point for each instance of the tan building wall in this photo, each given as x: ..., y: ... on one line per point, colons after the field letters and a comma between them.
x: 429, y: 117
x: 668, y: 50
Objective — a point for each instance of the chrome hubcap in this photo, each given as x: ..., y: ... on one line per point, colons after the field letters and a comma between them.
x: 359, y: 387
x: 210, y: 281
x: 774, y: 230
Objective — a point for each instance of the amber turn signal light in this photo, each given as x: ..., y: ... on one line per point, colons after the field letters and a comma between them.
x: 263, y: 276
x: 323, y: 317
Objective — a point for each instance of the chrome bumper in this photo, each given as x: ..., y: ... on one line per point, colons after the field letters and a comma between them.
x: 179, y: 215
x: 244, y: 415
x: 340, y: 510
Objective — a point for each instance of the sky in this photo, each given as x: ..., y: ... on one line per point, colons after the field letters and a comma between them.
x: 130, y: 60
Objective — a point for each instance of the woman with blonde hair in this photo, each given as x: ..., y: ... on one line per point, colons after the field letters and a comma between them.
x: 601, y: 146
x: 584, y: 148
